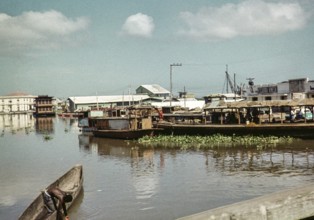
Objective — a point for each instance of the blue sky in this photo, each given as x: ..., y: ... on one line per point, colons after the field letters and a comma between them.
x: 105, y: 47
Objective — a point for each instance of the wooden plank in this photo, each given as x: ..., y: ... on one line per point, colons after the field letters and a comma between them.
x: 297, y: 203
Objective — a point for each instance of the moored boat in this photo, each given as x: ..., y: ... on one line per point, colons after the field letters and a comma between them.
x: 71, y: 182
x: 296, y: 130
x: 127, y: 123
x: 125, y: 134
x: 71, y: 114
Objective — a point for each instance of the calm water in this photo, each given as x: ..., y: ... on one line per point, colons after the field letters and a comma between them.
x: 124, y: 181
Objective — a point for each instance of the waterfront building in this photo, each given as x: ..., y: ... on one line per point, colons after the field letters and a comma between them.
x: 185, y: 103
x: 153, y: 91
x: 17, y: 103
x: 85, y: 103
x: 302, y: 88
x: 44, y: 106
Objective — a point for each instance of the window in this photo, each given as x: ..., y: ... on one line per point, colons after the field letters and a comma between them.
x: 254, y: 99
x: 268, y: 98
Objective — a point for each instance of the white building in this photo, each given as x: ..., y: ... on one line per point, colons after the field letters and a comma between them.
x: 188, y: 103
x: 292, y: 89
x: 17, y: 103
x: 85, y: 103
x: 153, y: 90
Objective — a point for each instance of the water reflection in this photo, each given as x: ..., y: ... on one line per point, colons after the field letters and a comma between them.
x: 104, y: 146
x: 291, y: 159
x: 281, y: 160
x: 45, y: 125
x: 144, y: 176
x: 16, y: 123
x: 145, y: 179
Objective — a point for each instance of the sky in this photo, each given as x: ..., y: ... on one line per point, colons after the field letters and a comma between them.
x: 111, y: 47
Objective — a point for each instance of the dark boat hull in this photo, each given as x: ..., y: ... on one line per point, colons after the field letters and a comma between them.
x: 125, y: 134
x: 71, y: 182
x: 305, y: 131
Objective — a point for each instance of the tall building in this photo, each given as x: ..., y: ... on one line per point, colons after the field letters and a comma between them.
x: 44, y: 106
x: 302, y: 88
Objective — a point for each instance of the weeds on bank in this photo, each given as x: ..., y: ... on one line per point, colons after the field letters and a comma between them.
x: 212, y: 141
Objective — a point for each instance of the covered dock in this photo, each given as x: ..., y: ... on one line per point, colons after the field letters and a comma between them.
x: 279, y: 111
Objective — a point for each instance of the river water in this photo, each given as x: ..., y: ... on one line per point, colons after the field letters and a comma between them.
x: 122, y: 180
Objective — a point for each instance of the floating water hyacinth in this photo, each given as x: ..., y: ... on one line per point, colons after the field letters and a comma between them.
x: 212, y: 141
x: 47, y: 137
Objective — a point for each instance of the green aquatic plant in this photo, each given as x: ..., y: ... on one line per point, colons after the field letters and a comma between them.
x: 212, y: 141
x: 47, y: 137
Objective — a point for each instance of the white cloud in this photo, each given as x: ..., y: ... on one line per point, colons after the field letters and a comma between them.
x: 140, y: 25
x: 37, y: 29
x: 248, y: 18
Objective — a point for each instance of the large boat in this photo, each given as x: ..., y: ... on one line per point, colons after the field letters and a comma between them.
x: 71, y: 114
x: 126, y: 134
x: 247, y: 118
x: 296, y: 130
x: 71, y: 182
x: 128, y: 123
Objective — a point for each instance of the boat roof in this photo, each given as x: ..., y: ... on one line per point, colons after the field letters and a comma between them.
x: 222, y: 95
x: 274, y: 103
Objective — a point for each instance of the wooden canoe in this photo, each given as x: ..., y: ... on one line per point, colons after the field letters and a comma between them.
x: 71, y: 182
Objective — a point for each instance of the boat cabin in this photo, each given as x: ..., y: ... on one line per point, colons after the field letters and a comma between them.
x: 132, y: 118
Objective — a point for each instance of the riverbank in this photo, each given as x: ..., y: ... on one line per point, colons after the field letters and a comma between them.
x: 296, y: 203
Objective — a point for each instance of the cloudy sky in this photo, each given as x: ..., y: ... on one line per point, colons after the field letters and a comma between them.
x: 105, y: 47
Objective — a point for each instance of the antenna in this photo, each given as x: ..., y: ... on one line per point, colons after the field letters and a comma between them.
x: 251, y: 83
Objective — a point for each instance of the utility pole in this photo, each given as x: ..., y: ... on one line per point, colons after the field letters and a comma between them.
x: 227, y: 79
x: 184, y: 97
x: 235, y: 87
x: 129, y: 95
x: 172, y: 65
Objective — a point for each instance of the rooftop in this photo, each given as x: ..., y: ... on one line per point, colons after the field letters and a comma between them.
x: 107, y: 99
x: 156, y: 89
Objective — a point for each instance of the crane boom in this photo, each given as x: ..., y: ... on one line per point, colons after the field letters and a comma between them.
x: 229, y: 81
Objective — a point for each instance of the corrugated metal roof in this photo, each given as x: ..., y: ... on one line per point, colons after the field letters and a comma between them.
x: 156, y: 89
x: 107, y: 99
x: 274, y: 103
